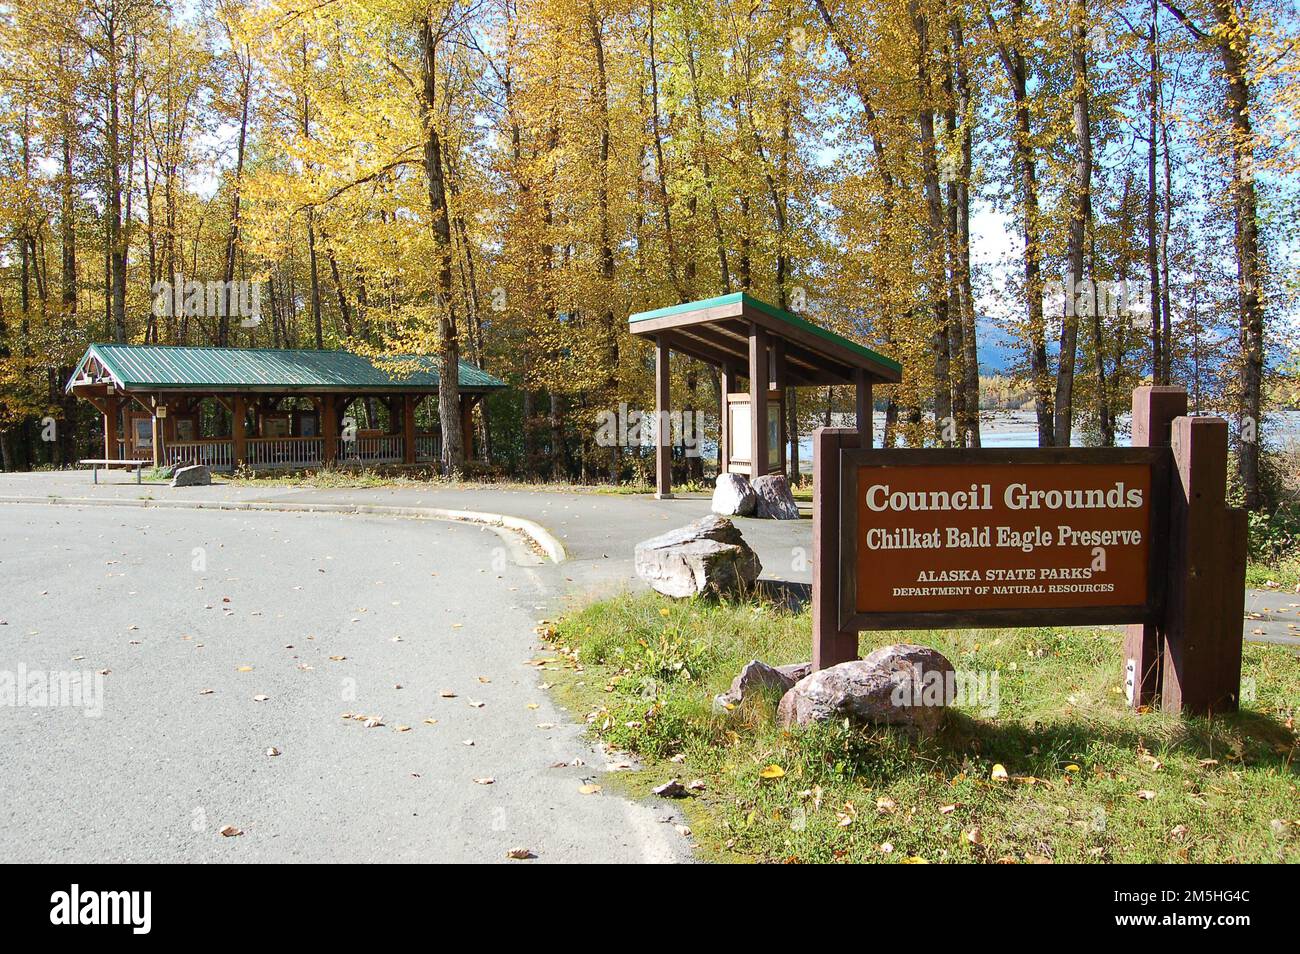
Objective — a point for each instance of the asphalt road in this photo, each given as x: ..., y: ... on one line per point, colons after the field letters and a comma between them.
x: 223, y: 635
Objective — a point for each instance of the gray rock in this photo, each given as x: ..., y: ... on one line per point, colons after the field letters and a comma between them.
x: 707, y: 556
x: 902, y: 684
x: 733, y: 496
x: 196, y: 475
x: 670, y: 789
x: 758, y: 676
x: 774, y: 498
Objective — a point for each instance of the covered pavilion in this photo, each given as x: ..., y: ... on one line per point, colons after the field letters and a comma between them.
x: 260, y: 408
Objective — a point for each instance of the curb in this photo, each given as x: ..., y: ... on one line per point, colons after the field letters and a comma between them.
x: 538, y: 535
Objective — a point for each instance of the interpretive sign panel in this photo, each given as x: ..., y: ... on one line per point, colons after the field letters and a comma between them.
x: 983, y: 537
x: 950, y: 538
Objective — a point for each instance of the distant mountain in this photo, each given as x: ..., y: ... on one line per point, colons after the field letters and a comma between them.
x: 996, y: 348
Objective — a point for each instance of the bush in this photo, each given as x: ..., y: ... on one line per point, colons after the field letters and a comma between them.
x: 1274, y: 531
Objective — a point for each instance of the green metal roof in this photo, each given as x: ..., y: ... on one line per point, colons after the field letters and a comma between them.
x: 743, y: 298
x: 165, y: 367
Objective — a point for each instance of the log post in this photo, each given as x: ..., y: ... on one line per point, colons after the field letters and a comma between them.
x: 727, y: 383
x: 759, y: 382
x: 831, y: 645
x: 467, y: 424
x: 158, y: 425
x: 329, y: 427
x: 663, y: 437
x: 408, y: 429
x: 1154, y: 409
x: 239, y: 430
x: 862, y: 404
x: 1201, y: 661
x: 778, y: 384
x: 112, y: 408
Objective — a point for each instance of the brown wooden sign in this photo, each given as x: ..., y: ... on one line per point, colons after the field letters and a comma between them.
x: 945, y: 538
x: 939, y: 538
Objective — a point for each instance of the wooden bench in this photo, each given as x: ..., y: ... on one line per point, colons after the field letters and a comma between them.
x: 98, y: 462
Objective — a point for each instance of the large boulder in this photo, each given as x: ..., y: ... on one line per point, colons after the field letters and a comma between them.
x: 758, y: 676
x: 196, y: 475
x: 707, y: 556
x: 902, y: 684
x: 774, y: 498
x: 733, y: 496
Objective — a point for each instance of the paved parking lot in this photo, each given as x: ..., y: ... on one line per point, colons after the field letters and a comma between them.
x: 221, y: 636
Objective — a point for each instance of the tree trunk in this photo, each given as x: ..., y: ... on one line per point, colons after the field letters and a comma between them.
x: 970, y: 383
x: 724, y: 272
x: 1013, y: 61
x: 606, y: 253
x: 232, y: 237
x: 936, y: 269
x: 665, y: 208
x: 1153, y: 271
x: 453, y: 445
x: 1232, y: 39
x: 1080, y: 220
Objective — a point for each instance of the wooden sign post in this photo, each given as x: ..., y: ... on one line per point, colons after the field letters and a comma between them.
x: 939, y: 539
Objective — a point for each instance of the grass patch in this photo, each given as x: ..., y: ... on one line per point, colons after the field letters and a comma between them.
x: 1088, y: 780
x: 1283, y: 573
x: 333, y: 478
x: 329, y: 478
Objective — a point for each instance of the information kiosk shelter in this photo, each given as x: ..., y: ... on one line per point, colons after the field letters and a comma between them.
x: 773, y: 351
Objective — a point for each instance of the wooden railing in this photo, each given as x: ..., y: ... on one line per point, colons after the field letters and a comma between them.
x: 428, y: 447
x: 289, y: 452
x: 216, y: 454
x: 386, y: 448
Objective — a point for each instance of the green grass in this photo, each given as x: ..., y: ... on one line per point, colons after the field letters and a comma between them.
x: 1283, y: 573
x: 1088, y: 780
x: 328, y: 478
x: 423, y: 478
